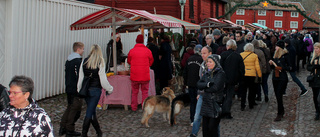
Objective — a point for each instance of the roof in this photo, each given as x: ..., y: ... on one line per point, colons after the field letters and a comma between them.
x: 314, y: 15
x: 259, y: 25
x: 213, y: 22
x: 187, y: 25
x: 272, y: 7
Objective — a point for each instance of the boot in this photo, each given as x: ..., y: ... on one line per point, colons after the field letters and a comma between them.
x: 96, y: 126
x: 85, y: 126
x: 316, y: 117
x: 62, y: 131
x: 278, y: 118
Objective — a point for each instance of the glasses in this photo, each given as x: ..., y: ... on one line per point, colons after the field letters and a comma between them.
x: 14, y: 92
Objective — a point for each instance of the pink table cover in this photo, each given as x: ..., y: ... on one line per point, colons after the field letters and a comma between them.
x: 122, y: 90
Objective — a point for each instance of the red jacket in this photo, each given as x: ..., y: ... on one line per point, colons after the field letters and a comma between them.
x: 140, y: 58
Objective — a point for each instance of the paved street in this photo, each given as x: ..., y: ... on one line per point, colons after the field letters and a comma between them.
x: 258, y: 122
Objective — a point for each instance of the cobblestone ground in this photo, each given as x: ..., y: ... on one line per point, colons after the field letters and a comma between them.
x: 258, y: 122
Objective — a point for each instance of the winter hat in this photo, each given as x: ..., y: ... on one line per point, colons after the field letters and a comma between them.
x: 287, y: 40
x: 216, y: 32
x: 139, y: 39
x: 197, y: 49
x: 215, y: 57
x: 258, y: 31
x: 249, y: 33
x: 280, y: 44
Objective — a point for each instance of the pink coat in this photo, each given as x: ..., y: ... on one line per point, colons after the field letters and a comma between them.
x: 140, y: 59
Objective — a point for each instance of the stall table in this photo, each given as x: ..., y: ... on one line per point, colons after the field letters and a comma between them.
x: 122, y: 91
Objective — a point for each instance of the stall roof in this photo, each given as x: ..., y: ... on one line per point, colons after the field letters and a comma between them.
x: 104, y: 19
x: 233, y: 24
x: 213, y: 22
x: 187, y: 25
x: 259, y: 25
x: 249, y: 25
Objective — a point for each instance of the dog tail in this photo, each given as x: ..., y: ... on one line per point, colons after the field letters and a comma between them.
x: 173, y: 104
x: 144, y: 102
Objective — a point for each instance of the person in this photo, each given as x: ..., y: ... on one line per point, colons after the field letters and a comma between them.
x: 205, y: 52
x: 223, y: 48
x: 140, y: 59
x: 301, y: 52
x: 218, y: 37
x: 189, y: 52
x: 281, y: 64
x: 308, y: 39
x: 23, y: 117
x: 73, y: 111
x: 232, y: 64
x: 292, y: 72
x: 265, y: 76
x: 240, y: 42
x: 191, y: 78
x: 252, y: 69
x: 155, y: 53
x: 166, y: 66
x: 4, y: 97
x: 258, y: 35
x: 314, y: 68
x: 249, y: 37
x: 212, y: 82
x: 211, y: 44
x: 93, y: 66
x: 109, y: 52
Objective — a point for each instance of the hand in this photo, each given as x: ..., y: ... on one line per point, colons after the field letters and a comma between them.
x: 260, y: 79
x: 108, y: 92
x: 270, y: 62
x: 198, y: 97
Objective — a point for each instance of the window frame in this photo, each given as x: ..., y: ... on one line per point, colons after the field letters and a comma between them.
x: 294, y: 22
x: 240, y: 13
x: 265, y: 13
x: 240, y: 21
x: 292, y: 14
x: 275, y: 24
x: 262, y: 21
x: 275, y: 13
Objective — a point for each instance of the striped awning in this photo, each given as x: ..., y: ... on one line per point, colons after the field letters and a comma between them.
x: 213, y: 23
x: 249, y: 25
x: 187, y: 25
x: 104, y: 19
x: 233, y: 24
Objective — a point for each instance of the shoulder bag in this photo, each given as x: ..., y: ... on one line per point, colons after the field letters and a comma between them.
x: 85, y: 86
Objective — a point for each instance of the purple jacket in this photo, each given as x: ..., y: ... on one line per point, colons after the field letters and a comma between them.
x: 310, y: 47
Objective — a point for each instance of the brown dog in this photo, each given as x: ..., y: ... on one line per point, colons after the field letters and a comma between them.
x: 158, y: 103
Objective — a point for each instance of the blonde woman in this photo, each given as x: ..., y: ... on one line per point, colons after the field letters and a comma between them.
x: 93, y: 66
x: 281, y: 64
x: 314, y: 68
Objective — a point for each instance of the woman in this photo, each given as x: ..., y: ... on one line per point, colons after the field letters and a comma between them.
x: 281, y: 64
x: 265, y: 76
x: 212, y: 82
x: 93, y: 66
x: 165, y: 62
x: 314, y: 68
x: 252, y: 69
x: 308, y: 39
x: 24, y: 117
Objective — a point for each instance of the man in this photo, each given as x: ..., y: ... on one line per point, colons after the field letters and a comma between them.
x: 240, y: 42
x: 211, y: 44
x: 249, y: 37
x: 218, y: 37
x: 73, y: 111
x: 191, y: 78
x: 4, y: 97
x: 155, y: 53
x: 205, y: 52
x: 292, y: 55
x: 232, y: 64
x: 140, y: 58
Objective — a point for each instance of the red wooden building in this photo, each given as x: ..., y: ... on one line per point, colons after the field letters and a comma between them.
x: 194, y: 11
x: 273, y: 17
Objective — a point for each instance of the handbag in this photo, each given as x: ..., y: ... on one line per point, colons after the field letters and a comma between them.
x: 85, y: 86
x: 310, y: 78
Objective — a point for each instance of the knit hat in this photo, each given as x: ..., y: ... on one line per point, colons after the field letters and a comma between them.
x: 258, y: 32
x: 216, y: 32
x: 280, y: 44
x: 215, y: 57
x: 197, y: 49
x: 139, y: 39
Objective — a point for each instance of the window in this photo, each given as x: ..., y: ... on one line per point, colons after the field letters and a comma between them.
x: 279, y: 13
x: 191, y: 11
x: 294, y: 24
x: 240, y: 12
x: 278, y: 24
x: 294, y: 14
x: 262, y: 22
x: 240, y: 22
x: 262, y: 12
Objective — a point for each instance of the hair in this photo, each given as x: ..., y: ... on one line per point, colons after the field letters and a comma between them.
x: 225, y: 39
x: 255, y: 43
x: 210, y: 36
x: 232, y: 44
x: 25, y: 83
x: 278, y: 53
x: 150, y: 39
x: 317, y: 44
x: 239, y: 32
x: 208, y: 48
x: 95, y: 57
x: 77, y: 45
x: 262, y: 44
x: 248, y: 47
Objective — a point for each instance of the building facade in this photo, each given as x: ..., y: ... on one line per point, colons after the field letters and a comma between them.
x: 195, y: 11
x: 273, y: 17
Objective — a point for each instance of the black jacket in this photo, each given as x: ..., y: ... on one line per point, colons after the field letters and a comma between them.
x: 284, y: 62
x: 191, y: 71
x: 240, y: 46
x: 292, y: 55
x: 232, y: 64
x: 214, y: 47
x: 95, y: 79
x: 314, y: 70
x: 4, y: 98
x: 71, y: 75
x: 156, y: 62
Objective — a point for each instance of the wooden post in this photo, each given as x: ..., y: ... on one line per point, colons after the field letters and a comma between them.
x: 114, y: 51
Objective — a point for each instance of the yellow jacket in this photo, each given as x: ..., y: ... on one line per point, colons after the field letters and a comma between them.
x: 251, y: 64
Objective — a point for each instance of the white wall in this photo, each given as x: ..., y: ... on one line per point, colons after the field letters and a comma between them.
x: 38, y: 40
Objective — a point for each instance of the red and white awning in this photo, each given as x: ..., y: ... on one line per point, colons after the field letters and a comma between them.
x: 233, y: 24
x: 104, y: 19
x: 213, y: 23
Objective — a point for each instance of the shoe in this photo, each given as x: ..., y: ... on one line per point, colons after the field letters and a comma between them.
x: 62, y: 131
x: 303, y: 93
x: 278, y: 118
x: 242, y: 108
x: 266, y: 99
x: 316, y: 117
x: 285, y: 95
x: 73, y: 133
x: 228, y: 116
x: 192, y: 135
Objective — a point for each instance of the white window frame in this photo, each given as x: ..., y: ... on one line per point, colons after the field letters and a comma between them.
x: 292, y: 23
x: 294, y: 14
x: 240, y: 21
x: 275, y: 22
x: 264, y: 22
x: 263, y: 13
x: 240, y: 12
x: 278, y: 13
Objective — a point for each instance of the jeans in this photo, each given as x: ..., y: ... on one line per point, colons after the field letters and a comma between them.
x: 295, y: 79
x: 193, y: 101
x: 135, y: 90
x: 92, y: 101
x: 197, y: 117
x: 264, y: 83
